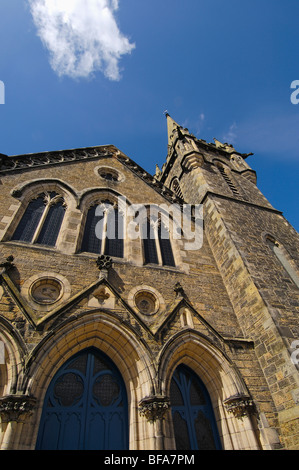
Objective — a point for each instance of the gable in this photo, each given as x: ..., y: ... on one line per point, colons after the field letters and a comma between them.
x: 101, y: 155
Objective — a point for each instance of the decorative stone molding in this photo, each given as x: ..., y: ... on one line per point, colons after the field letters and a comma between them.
x: 8, y: 264
x: 102, y: 297
x: 193, y: 160
x: 239, y: 405
x: 154, y: 407
x: 109, y: 174
x: 19, y: 162
x: 104, y: 263
x: 46, y: 290
x: 179, y: 291
x: 16, y: 407
x: 145, y: 292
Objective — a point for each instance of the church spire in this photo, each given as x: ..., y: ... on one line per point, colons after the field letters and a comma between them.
x: 171, y: 127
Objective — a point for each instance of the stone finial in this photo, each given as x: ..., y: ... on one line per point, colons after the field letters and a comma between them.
x: 104, y: 263
x: 154, y: 407
x: 178, y: 289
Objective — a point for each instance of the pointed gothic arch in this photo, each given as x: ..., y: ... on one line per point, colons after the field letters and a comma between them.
x: 107, y: 334
x: 192, y: 413
x: 86, y: 406
x: 42, y: 215
x: 220, y: 379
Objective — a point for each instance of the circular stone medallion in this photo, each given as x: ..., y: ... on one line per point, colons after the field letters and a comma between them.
x: 46, y: 291
x: 146, y: 302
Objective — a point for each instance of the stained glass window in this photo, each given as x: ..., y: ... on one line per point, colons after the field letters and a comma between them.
x: 149, y: 244
x: 91, y: 243
x: 30, y: 220
x: 42, y: 220
x: 166, y: 250
x: 103, y: 233
x: 51, y: 225
x: 154, y: 243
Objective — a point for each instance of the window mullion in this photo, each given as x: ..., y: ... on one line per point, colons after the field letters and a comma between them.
x: 158, y: 247
x: 104, y: 232
x: 41, y: 223
x: 155, y: 231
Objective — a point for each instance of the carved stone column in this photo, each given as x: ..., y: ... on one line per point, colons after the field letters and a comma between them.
x: 14, y: 410
x: 153, y: 408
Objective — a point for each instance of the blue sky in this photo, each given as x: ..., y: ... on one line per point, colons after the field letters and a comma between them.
x: 221, y: 68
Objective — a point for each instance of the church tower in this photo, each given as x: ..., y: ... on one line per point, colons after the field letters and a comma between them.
x: 256, y: 250
x: 115, y: 333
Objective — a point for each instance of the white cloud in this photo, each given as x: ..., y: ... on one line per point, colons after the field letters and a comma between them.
x: 231, y: 136
x: 82, y: 36
x: 196, y: 125
x: 274, y: 133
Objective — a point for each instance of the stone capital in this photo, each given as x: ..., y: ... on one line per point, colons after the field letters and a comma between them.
x: 154, y: 407
x: 16, y: 407
x: 239, y: 405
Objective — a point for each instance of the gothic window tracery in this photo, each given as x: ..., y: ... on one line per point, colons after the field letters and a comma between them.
x: 104, y: 230
x: 42, y: 220
x: 156, y: 242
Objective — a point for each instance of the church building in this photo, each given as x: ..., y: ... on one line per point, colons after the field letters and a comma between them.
x: 146, y: 311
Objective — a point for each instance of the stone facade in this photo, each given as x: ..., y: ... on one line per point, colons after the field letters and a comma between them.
x: 227, y: 310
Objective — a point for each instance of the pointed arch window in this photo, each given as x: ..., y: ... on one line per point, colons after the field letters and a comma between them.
x: 42, y: 220
x: 156, y: 242
x: 282, y: 256
x: 104, y: 230
x: 192, y: 413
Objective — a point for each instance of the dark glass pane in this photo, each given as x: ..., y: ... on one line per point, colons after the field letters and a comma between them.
x: 68, y: 389
x: 149, y: 244
x: 29, y: 222
x: 51, y: 226
x: 204, y: 433
x: 181, y: 432
x: 165, y: 246
x: 175, y: 395
x: 195, y: 409
x: 196, y: 394
x: 79, y: 363
x: 90, y: 242
x: 99, y: 365
x: 106, y: 390
x: 115, y: 232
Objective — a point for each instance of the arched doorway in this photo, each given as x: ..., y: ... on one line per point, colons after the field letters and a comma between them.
x: 192, y: 413
x: 85, y: 407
